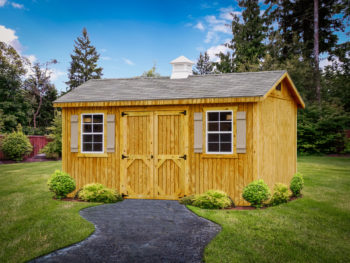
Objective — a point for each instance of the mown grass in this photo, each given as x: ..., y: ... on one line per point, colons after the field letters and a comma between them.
x: 31, y: 222
x: 315, y: 228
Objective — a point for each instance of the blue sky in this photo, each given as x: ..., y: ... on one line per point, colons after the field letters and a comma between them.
x: 129, y: 35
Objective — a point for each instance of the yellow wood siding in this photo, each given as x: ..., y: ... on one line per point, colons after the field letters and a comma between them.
x: 201, y: 172
x: 277, y: 137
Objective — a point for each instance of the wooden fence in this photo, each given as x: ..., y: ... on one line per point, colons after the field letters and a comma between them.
x: 38, y: 142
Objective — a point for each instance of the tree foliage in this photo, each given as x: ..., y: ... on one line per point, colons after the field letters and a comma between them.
x: 204, y: 65
x: 14, y: 103
x: 151, y: 73
x: 84, y: 62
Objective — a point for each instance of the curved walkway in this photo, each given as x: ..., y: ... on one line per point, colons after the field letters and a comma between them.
x: 140, y: 231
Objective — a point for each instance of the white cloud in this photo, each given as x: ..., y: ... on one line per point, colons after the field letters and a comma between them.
x: 222, y: 28
x: 16, y: 5
x: 8, y: 36
x: 199, y: 26
x: 200, y: 49
x: 55, y: 74
x: 128, y: 61
x: 13, y: 4
x: 106, y: 58
x: 2, y: 2
x: 212, y: 51
x: 103, y: 50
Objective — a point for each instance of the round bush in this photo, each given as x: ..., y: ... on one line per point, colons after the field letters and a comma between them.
x: 16, y: 145
x: 99, y: 193
x: 61, y: 184
x: 281, y: 194
x: 256, y: 193
x: 187, y: 200
x: 212, y: 199
x: 297, y: 184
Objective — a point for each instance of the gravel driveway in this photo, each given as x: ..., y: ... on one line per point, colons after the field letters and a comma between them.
x: 140, y: 231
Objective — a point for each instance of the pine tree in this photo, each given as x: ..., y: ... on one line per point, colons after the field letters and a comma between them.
x: 204, y: 65
x: 84, y: 62
x: 247, y: 43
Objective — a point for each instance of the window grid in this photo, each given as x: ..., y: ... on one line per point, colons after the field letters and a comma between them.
x: 92, y: 132
x: 219, y: 132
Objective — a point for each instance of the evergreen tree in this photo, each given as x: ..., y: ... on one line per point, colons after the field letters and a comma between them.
x: 247, y: 43
x: 204, y: 65
x: 84, y: 62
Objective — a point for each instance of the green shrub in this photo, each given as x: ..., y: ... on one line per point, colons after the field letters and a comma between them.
x: 187, y: 200
x: 16, y: 145
x: 256, y: 193
x: 212, y: 199
x: 61, y: 184
x: 280, y: 195
x: 297, y: 184
x: 99, y: 193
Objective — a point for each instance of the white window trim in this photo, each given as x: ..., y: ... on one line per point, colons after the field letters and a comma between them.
x: 207, y: 132
x: 93, y: 133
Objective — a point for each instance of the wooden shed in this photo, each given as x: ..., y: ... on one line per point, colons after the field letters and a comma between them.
x: 167, y: 137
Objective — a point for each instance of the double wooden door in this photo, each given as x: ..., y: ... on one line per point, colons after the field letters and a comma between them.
x: 154, y: 154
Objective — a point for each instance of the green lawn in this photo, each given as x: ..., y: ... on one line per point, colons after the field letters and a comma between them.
x: 31, y: 223
x: 315, y: 228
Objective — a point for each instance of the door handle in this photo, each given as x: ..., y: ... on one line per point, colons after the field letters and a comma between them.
x: 124, y: 156
x: 151, y: 156
x: 183, y: 157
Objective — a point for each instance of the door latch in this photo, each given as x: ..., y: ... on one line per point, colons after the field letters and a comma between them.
x: 124, y: 156
x: 183, y: 157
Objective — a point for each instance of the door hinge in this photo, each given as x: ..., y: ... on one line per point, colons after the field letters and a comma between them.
x: 183, y: 112
x: 183, y: 157
x: 124, y: 156
x: 123, y: 114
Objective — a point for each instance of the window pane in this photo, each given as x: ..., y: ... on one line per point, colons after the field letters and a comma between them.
x: 213, y: 126
x: 226, y: 137
x: 213, y: 147
x: 87, y: 138
x: 225, y: 147
x: 225, y: 116
x: 87, y: 118
x: 97, y: 147
x: 213, y: 116
x: 98, y: 118
x: 225, y: 126
x: 98, y: 128
x: 87, y: 147
x: 87, y: 128
x: 213, y: 137
x: 98, y: 138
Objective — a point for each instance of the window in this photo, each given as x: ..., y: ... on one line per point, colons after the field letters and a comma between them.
x: 219, y: 132
x: 92, y: 133
x: 279, y: 87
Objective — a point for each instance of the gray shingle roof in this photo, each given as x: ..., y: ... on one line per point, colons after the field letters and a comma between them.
x: 248, y: 84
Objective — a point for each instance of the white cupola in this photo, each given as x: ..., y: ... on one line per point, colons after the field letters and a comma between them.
x: 182, y: 68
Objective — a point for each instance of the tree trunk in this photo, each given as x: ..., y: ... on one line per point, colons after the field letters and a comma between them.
x: 316, y: 53
x: 37, y: 111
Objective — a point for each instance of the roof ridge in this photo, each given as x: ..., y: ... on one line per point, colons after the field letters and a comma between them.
x: 196, y: 76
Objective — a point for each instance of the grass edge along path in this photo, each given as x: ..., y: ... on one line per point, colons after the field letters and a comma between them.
x: 32, y: 223
x: 315, y: 228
